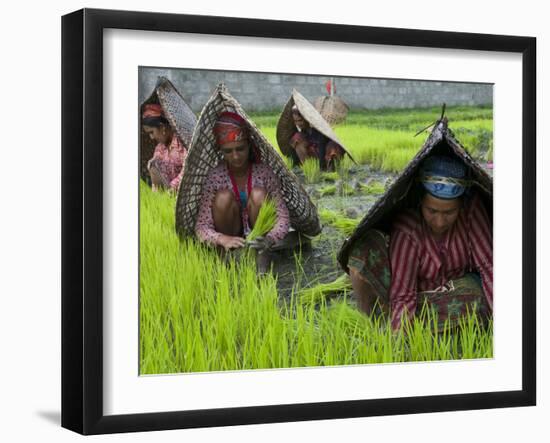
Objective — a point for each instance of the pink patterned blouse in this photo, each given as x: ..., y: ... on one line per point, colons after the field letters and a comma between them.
x: 218, y: 179
x: 170, y: 161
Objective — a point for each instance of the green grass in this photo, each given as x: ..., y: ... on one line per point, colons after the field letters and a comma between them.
x: 385, y: 138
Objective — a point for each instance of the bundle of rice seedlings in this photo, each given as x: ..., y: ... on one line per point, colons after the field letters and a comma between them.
x: 316, y: 294
x: 267, y: 217
x: 330, y: 176
x: 347, y: 189
x: 346, y: 225
x: 328, y: 216
x: 337, y: 220
x: 343, y: 167
x: 373, y: 187
x: 328, y: 190
x: 311, y: 169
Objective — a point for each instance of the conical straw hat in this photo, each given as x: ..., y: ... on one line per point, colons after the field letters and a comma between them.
x: 333, y: 109
x: 398, y: 196
x: 204, y: 155
x: 178, y: 113
x: 286, y: 127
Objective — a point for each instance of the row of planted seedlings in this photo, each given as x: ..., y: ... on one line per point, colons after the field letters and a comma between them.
x: 201, y: 312
x: 386, y: 139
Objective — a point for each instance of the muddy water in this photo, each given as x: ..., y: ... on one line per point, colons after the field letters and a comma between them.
x: 317, y: 260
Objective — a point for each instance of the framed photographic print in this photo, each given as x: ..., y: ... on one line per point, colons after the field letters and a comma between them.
x: 264, y: 225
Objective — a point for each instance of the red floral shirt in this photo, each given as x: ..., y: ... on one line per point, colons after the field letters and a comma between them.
x: 170, y: 161
x: 218, y: 179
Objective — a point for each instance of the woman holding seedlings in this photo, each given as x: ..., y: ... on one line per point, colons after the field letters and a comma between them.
x: 308, y: 142
x: 166, y: 166
x: 235, y: 190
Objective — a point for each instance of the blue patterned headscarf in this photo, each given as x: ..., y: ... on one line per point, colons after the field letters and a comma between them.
x: 443, y: 177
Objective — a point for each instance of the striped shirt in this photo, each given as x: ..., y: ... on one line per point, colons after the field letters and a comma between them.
x: 420, y: 263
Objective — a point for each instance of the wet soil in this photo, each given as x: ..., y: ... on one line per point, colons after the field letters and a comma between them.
x: 315, y: 262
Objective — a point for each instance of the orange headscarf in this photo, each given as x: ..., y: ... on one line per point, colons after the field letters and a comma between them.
x: 152, y: 110
x: 230, y: 127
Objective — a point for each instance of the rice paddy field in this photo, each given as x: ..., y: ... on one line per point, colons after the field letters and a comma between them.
x: 201, y: 311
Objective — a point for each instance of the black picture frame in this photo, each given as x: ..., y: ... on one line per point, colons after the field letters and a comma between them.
x: 82, y: 218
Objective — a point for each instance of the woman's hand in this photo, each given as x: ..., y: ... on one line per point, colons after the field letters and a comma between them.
x: 231, y: 242
x: 261, y: 243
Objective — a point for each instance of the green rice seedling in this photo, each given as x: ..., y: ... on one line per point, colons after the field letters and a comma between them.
x: 327, y: 190
x: 468, y: 340
x: 268, y: 129
x: 311, y: 170
x: 421, y: 332
x: 395, y: 161
x: 346, y: 189
x: 319, y: 292
x: 328, y: 216
x: 474, y: 125
x: 343, y: 167
x: 346, y: 225
x: 330, y: 176
x: 373, y: 187
x: 472, y: 331
x: 351, y: 318
x: 288, y: 162
x: 370, y: 145
x: 336, y: 219
x: 267, y: 217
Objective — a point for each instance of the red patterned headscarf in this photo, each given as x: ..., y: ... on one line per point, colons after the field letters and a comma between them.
x: 152, y: 110
x: 230, y: 127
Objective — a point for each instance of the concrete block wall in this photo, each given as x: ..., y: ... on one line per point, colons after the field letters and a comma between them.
x: 265, y: 92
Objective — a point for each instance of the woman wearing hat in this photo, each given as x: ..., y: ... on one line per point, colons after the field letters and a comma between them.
x: 440, y: 251
x: 308, y: 142
x: 303, y: 133
x: 235, y: 190
x: 166, y: 165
